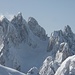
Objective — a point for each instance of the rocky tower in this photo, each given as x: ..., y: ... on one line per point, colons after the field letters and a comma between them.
x: 36, y: 28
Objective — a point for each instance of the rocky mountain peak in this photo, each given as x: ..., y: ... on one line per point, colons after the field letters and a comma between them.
x: 4, y: 23
x: 32, y: 20
x: 3, y: 19
x: 17, y: 18
x: 36, y: 28
x: 19, y: 14
x: 21, y: 26
x: 67, y: 30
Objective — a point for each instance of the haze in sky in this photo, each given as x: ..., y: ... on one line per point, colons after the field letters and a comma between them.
x: 50, y: 14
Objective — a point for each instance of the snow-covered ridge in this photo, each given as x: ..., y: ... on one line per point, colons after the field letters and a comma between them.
x: 19, y: 45
x: 67, y: 67
x: 61, y: 45
x: 25, y: 44
x: 8, y: 71
x: 37, y: 29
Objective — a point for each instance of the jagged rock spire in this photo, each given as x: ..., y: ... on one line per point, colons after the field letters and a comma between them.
x: 2, y: 17
x: 36, y: 28
x: 67, y: 29
x: 19, y: 13
x: 19, y: 16
x: 21, y: 26
x: 32, y: 20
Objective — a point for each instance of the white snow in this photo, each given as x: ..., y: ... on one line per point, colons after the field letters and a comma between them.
x: 8, y: 71
x: 2, y: 17
x: 33, y: 71
x: 67, y: 67
x: 22, y: 49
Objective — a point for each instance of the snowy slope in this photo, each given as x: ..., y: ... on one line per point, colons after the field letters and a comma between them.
x: 8, y: 71
x: 61, y: 45
x: 21, y: 48
x: 67, y: 67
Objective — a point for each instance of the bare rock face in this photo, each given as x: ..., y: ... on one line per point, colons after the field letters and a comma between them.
x: 7, y: 37
x: 36, y: 28
x: 55, y: 39
x: 67, y: 31
x: 21, y: 26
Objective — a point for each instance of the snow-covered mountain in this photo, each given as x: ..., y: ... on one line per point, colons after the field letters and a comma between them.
x: 36, y: 28
x: 21, y: 47
x: 24, y: 45
x: 61, y: 46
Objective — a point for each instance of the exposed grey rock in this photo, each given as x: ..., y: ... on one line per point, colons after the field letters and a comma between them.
x: 21, y: 26
x: 36, y: 28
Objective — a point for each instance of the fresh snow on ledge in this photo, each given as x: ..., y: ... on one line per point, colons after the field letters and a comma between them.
x: 8, y: 71
x: 67, y: 67
x: 2, y: 17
